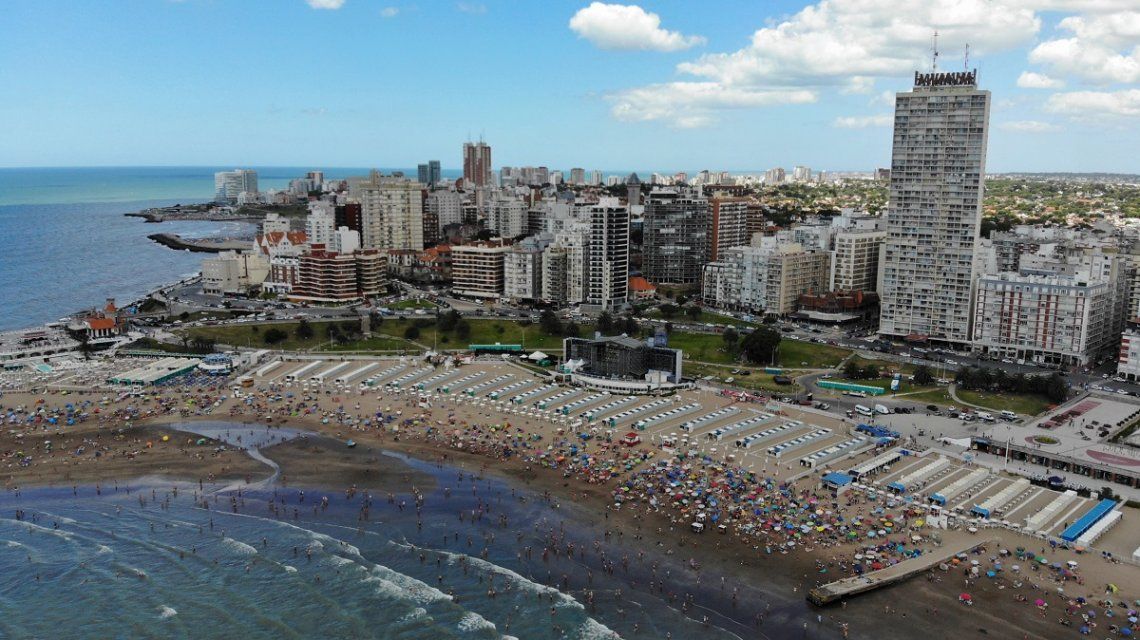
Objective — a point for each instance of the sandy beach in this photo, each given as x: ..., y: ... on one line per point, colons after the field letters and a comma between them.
x: 134, y: 438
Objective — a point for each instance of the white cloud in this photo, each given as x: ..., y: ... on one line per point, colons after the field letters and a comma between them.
x: 863, y: 122
x: 1095, y: 105
x: 1029, y: 126
x: 692, y: 104
x: 620, y: 27
x: 1088, y: 60
x: 835, y: 40
x: 1101, y: 49
x: 325, y: 4
x: 389, y: 12
x: 1031, y: 80
x: 472, y: 7
x: 846, y: 45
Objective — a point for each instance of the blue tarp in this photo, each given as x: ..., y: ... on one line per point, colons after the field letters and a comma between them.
x: 897, y: 486
x: 837, y: 479
x: 985, y: 513
x: 939, y: 498
x: 1086, y: 521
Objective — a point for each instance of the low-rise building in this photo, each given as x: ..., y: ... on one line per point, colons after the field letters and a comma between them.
x: 234, y: 273
x: 327, y: 276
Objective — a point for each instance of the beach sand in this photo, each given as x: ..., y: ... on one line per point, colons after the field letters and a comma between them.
x: 894, y: 612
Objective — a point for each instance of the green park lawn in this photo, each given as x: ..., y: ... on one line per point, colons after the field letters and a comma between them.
x: 1021, y: 403
x: 483, y: 331
x: 938, y: 396
x: 253, y: 335
x: 413, y: 303
x: 706, y: 317
x: 812, y: 355
x: 757, y: 380
x: 884, y: 383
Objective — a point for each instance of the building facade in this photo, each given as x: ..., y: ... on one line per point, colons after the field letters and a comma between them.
x: 938, y: 163
x: 675, y: 244
x: 769, y: 278
x: 477, y: 270
x: 728, y: 225
x: 607, y: 257
x: 855, y: 260
x: 477, y: 164
x: 229, y: 185
x: 391, y: 212
x: 327, y: 276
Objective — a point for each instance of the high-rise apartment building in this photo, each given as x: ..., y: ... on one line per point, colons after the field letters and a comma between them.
x: 675, y: 244
x: 228, y: 185
x: 391, y: 212
x: 855, y: 260
x: 728, y: 225
x: 429, y: 174
x: 608, y: 256
x: 768, y: 278
x: 938, y: 163
x: 577, y: 176
x: 477, y: 164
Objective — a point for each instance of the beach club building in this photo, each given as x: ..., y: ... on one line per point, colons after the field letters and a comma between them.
x: 622, y: 364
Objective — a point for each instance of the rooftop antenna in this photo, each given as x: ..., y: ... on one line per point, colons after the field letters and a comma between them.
x: 934, y: 52
x: 966, y: 61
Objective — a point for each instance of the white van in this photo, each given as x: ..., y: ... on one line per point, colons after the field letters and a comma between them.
x: 1008, y: 415
x: 882, y: 410
x: 863, y: 411
x: 985, y: 417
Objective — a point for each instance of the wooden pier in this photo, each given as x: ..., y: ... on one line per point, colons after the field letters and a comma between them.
x: 825, y: 594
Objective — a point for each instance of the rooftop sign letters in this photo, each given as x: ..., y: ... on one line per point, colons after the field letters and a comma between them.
x: 952, y: 79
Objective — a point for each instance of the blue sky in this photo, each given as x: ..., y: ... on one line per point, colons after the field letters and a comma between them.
x: 654, y: 85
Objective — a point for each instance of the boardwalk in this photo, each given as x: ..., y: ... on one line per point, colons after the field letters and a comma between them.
x: 847, y: 587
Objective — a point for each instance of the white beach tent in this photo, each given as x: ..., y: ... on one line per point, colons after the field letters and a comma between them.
x: 537, y: 356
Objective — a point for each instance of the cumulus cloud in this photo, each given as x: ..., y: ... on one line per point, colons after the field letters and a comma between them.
x: 389, y: 12
x: 835, y: 40
x: 1095, y: 105
x: 619, y: 27
x: 692, y: 104
x: 843, y: 45
x: 1100, y: 49
x: 863, y: 122
x: 1031, y: 80
x: 325, y: 4
x: 1028, y: 126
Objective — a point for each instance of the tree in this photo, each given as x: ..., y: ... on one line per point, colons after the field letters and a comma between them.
x: 463, y: 330
x: 449, y: 320
x: 851, y: 370
x: 605, y: 322
x: 412, y: 332
x: 304, y: 330
x: 870, y: 372
x: 630, y: 326
x: 668, y: 310
x: 1056, y: 388
x: 693, y: 312
x: 922, y: 375
x: 550, y: 323
x: 731, y: 340
x: 274, y: 336
x: 760, y: 345
x: 570, y: 330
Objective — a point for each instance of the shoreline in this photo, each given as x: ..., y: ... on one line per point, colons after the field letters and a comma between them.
x: 784, y: 576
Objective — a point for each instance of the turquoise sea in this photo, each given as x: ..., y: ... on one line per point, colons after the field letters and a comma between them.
x: 68, y: 245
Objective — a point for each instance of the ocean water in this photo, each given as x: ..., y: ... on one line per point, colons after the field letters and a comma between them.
x: 142, y: 563
x: 68, y: 245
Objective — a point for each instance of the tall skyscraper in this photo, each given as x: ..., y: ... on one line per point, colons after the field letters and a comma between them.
x: 608, y: 256
x: 938, y: 164
x: 675, y: 243
x: 477, y: 163
x: 428, y: 174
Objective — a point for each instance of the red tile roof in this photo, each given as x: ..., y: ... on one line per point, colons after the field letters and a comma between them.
x: 100, y: 324
x: 637, y: 283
